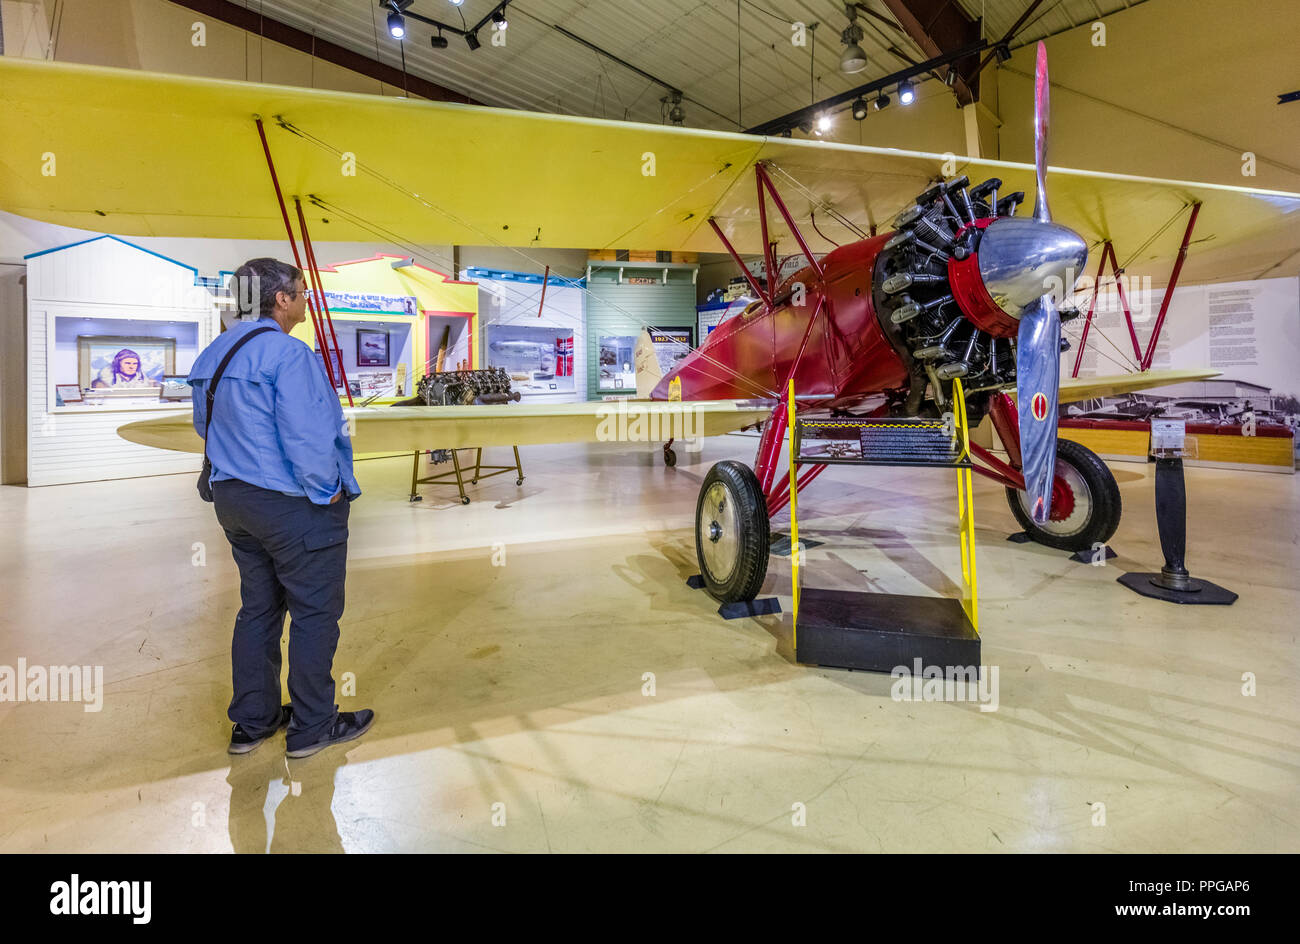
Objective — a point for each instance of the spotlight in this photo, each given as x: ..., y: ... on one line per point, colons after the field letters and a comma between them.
x: 396, y: 24
x: 1004, y: 53
x: 853, y: 59
x: 456, y: 3
x: 439, y: 41
x: 823, y: 124
x: 499, y: 18
x: 882, y: 101
x: 471, y: 40
x: 859, y: 109
x: 951, y: 78
x: 906, y: 92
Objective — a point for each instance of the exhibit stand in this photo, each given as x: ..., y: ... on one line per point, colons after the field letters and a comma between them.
x: 1173, y: 584
x: 113, y: 331
x: 392, y: 316
x: 623, y: 299
x: 533, y: 328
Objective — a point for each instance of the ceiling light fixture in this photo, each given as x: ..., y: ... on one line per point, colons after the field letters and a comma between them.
x: 397, y: 25
x: 853, y: 59
x: 906, y: 92
x: 882, y: 101
x: 439, y: 41
x: 823, y: 123
x: 471, y: 40
x: 499, y: 18
x: 859, y: 109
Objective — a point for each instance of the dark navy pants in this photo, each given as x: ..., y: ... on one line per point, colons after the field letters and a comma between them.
x: 292, y: 555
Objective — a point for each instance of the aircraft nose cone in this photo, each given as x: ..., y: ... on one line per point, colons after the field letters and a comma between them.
x: 1023, y: 259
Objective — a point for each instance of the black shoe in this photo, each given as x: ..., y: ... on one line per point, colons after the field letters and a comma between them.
x: 348, y: 726
x: 241, y: 742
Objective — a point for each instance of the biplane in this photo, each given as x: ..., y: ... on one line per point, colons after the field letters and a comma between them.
x: 962, y: 285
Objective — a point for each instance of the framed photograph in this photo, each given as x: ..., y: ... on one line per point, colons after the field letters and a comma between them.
x: 175, y: 388
x: 109, y: 362
x: 615, y: 362
x: 372, y: 348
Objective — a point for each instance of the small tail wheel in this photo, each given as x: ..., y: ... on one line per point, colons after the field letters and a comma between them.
x: 732, y: 537
x: 519, y: 481
x: 1085, y: 502
x: 465, y: 500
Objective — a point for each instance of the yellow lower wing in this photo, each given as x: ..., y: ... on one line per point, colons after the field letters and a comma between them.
x: 1086, y: 388
x: 410, y: 429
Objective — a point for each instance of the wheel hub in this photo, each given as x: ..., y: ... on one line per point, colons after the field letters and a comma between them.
x: 719, y: 530
x: 1062, y: 499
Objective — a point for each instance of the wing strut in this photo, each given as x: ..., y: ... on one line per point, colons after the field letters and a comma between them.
x: 332, y: 355
x: 1144, y: 358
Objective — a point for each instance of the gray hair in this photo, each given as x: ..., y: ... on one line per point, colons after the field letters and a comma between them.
x: 255, y: 284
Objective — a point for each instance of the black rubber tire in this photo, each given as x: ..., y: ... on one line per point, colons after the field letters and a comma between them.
x: 465, y: 500
x: 519, y: 481
x: 752, y: 533
x: 670, y: 458
x: 1106, y: 506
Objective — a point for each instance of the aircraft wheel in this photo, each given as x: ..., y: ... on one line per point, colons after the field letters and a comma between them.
x: 670, y: 457
x: 1085, y: 502
x: 731, y: 533
x: 465, y: 500
x: 519, y: 481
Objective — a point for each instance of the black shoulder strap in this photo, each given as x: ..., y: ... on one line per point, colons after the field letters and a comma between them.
x: 211, y: 392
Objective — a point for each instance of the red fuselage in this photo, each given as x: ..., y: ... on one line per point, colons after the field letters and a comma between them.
x: 846, y: 356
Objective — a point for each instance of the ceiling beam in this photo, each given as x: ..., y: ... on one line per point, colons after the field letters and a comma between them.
x: 276, y: 31
x: 940, y: 27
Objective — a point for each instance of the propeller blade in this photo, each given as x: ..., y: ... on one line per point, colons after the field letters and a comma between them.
x: 1038, y: 379
x: 1042, y: 103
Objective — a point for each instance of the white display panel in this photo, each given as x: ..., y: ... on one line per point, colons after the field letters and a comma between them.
x: 540, y: 345
x: 1250, y: 331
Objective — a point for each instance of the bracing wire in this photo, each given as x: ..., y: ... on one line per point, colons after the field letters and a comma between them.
x: 757, y: 389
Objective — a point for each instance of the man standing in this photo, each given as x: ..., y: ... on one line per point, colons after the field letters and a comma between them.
x: 281, y: 482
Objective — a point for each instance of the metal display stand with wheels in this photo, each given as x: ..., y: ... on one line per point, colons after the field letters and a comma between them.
x: 481, y: 471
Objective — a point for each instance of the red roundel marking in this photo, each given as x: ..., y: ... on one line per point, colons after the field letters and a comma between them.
x: 1038, y: 406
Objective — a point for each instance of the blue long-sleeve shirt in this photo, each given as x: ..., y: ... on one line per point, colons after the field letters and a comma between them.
x: 278, y: 424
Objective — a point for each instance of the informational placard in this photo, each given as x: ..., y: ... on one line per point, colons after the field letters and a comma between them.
x: 1168, y: 438
x: 1250, y: 331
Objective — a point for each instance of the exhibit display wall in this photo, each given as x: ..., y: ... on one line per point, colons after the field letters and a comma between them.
x: 539, y: 344
x: 623, y: 299
x: 385, y: 318
x: 111, y: 327
x: 1250, y: 331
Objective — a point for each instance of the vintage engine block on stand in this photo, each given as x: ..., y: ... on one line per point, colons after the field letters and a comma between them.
x: 463, y: 388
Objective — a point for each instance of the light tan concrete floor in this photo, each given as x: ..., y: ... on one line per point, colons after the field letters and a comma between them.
x: 523, y: 685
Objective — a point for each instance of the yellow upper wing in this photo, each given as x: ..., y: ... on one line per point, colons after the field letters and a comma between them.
x: 410, y: 429
x: 136, y: 153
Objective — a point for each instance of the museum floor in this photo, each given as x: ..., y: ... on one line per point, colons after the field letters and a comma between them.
x: 523, y: 684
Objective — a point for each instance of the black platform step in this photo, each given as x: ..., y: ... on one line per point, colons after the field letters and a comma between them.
x: 878, y: 632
